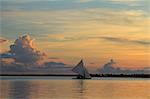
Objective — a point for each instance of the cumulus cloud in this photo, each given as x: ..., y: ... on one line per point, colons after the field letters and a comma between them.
x: 24, y: 51
x: 109, y: 69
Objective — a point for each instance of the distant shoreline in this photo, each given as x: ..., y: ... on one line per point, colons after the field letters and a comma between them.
x: 92, y: 75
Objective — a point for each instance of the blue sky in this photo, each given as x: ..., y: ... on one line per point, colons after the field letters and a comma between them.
x: 62, y: 5
x: 47, y: 6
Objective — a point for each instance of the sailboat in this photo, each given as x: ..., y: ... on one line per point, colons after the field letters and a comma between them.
x: 81, y: 70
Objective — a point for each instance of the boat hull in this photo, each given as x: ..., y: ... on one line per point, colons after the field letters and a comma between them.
x: 81, y: 78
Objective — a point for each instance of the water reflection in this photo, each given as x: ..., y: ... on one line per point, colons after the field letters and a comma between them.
x: 74, y: 89
x: 20, y: 90
x: 80, y: 88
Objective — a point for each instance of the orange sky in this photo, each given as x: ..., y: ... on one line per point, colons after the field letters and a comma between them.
x: 93, y: 30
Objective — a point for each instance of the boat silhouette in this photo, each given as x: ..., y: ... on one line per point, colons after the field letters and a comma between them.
x: 81, y: 71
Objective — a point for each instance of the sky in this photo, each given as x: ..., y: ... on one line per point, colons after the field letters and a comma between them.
x: 70, y: 30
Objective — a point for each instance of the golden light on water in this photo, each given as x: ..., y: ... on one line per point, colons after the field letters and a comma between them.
x: 87, y: 89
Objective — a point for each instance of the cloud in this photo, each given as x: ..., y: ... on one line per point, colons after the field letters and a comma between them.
x: 3, y: 40
x: 6, y: 55
x: 47, y: 68
x: 53, y: 58
x: 140, y: 4
x: 55, y: 64
x: 124, y: 0
x: 141, y: 42
x: 129, y: 2
x: 109, y: 69
x: 62, y: 38
x: 124, y: 40
x: 65, y: 38
x: 114, y: 39
x: 83, y: 1
x: 74, y: 20
x: 25, y: 52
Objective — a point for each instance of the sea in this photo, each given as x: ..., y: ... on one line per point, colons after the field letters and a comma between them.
x: 31, y: 87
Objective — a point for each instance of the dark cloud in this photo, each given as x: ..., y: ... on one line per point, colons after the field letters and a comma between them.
x: 3, y: 40
x: 92, y: 63
x: 114, y: 39
x: 54, y: 58
x: 111, y: 39
x: 142, y: 42
x: 67, y: 39
x: 55, y: 64
x: 122, y: 40
x: 47, y: 68
x: 6, y: 55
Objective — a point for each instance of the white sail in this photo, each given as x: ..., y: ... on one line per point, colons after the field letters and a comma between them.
x: 81, y: 70
x: 86, y: 73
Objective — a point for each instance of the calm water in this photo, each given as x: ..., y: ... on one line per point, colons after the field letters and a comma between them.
x: 66, y: 88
